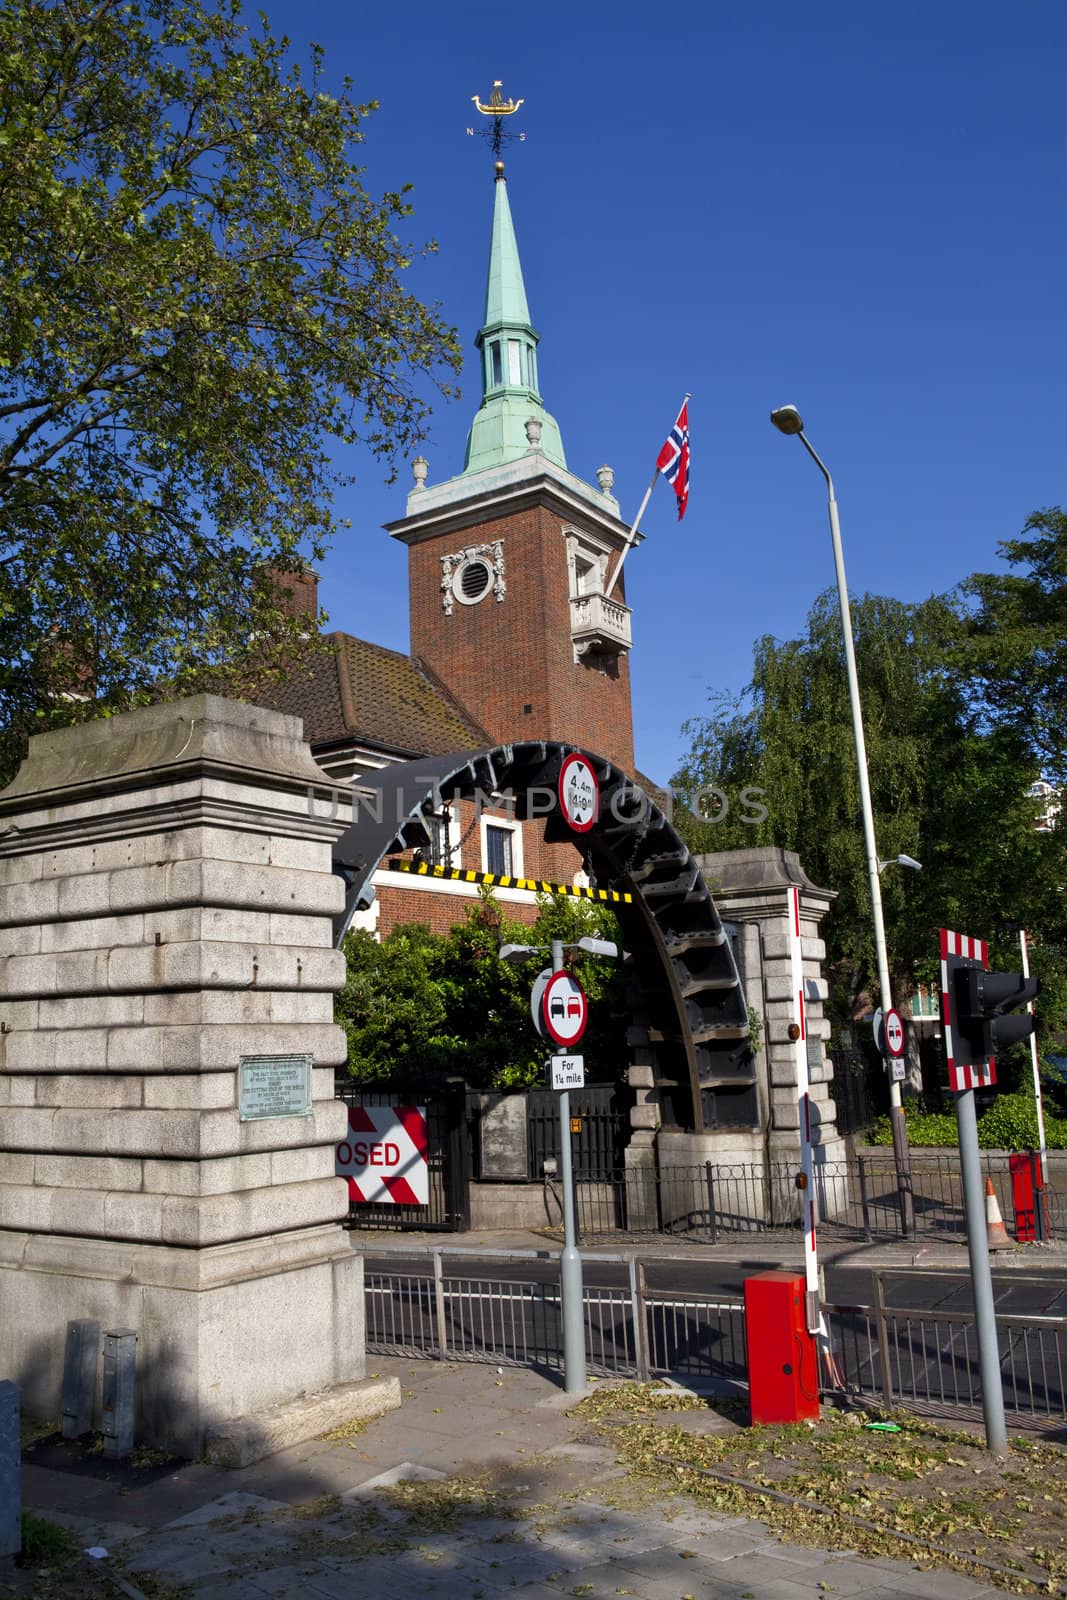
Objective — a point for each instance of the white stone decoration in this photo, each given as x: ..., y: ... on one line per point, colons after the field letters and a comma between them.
x: 452, y: 565
x: 533, y: 427
x: 420, y: 468
x: 605, y: 476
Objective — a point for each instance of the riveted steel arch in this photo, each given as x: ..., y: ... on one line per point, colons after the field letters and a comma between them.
x: 689, y: 1020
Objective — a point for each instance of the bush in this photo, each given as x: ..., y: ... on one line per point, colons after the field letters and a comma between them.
x: 932, y: 1129
x: 44, y: 1544
x: 1009, y: 1124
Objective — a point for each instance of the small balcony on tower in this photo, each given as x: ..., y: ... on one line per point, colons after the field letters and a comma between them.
x: 599, y: 625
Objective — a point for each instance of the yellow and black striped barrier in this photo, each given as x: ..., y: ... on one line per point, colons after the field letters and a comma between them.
x: 497, y: 880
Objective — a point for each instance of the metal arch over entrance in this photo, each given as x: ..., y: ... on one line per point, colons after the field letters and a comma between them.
x: 689, y: 1025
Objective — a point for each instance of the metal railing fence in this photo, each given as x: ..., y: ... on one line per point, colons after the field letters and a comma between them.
x: 918, y: 1358
x: 857, y: 1198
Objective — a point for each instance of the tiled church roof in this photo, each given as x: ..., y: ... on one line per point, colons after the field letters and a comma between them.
x: 361, y: 691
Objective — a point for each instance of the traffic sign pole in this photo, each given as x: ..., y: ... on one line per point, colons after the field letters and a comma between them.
x: 571, y: 1289
x: 981, y: 1277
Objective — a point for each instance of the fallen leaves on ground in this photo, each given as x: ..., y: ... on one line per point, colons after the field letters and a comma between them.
x: 927, y: 1481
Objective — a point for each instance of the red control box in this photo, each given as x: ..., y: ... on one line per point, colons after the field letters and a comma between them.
x: 1028, y: 1197
x: 783, y: 1358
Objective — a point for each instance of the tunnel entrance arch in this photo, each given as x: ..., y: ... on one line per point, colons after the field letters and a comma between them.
x: 689, y: 1020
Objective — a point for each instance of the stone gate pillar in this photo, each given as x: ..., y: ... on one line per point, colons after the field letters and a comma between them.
x: 167, y: 1055
x: 751, y: 888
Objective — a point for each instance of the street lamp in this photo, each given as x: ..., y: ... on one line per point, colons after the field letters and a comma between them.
x: 572, y: 1293
x: 787, y: 420
x: 901, y: 861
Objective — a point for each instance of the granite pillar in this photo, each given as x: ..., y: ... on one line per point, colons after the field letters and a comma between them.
x: 751, y: 888
x: 166, y: 896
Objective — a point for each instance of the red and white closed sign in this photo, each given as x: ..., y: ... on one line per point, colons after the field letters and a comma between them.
x: 385, y: 1157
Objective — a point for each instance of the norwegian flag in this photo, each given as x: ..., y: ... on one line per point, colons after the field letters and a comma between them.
x: 673, y: 459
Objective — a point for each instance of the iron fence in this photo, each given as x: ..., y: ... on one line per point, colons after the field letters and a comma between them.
x: 598, y: 1143
x: 859, y: 1090
x: 858, y: 1198
x: 918, y: 1358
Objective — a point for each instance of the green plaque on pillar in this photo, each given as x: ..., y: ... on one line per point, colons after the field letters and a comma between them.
x: 273, y: 1086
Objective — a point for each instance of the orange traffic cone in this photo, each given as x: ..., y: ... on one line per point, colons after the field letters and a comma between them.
x: 994, y: 1222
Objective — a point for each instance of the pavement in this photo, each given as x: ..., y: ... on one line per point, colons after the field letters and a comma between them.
x: 769, y: 1250
x: 551, y: 1513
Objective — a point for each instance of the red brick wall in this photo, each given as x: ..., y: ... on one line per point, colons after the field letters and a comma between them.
x: 497, y: 657
x: 296, y: 593
x: 439, y: 912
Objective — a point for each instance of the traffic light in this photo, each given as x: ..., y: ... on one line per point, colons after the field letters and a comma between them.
x: 973, y: 1003
x: 982, y: 999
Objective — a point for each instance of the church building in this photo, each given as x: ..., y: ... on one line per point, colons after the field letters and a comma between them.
x: 518, y: 630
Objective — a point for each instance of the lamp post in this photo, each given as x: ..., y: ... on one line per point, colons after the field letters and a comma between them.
x: 787, y: 420
x: 571, y: 1291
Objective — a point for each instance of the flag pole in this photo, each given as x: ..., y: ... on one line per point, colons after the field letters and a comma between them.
x: 642, y: 508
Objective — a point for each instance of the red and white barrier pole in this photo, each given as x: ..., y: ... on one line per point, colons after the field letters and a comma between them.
x: 1036, y: 1068
x: 798, y: 1033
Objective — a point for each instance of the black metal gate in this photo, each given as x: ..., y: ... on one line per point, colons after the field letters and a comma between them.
x: 599, y: 1138
x: 853, y: 1092
x: 448, y: 1142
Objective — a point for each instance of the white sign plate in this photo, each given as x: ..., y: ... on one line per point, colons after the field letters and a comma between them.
x: 568, y: 1072
x: 537, y: 994
x: 897, y: 1070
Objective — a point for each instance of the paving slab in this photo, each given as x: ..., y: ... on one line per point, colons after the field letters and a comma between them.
x: 403, y: 1472
x: 235, y: 1504
x: 230, y: 1588
x: 178, y: 1560
x: 290, y: 1580
x: 93, y: 1531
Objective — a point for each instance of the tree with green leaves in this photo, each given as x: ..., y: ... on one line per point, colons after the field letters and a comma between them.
x: 202, y: 302
x: 1012, y: 660
x: 420, y: 1004
x: 948, y: 787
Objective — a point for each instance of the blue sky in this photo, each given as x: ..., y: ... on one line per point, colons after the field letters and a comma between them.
x: 856, y: 209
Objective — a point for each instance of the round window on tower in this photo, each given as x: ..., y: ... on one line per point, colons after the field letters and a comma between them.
x: 472, y: 581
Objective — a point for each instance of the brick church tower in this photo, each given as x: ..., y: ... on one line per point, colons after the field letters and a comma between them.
x: 510, y: 561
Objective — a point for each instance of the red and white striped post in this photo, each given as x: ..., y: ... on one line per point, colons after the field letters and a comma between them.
x: 798, y: 1033
x: 1036, y: 1067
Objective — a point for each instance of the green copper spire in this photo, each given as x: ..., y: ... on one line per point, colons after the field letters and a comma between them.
x: 508, y: 344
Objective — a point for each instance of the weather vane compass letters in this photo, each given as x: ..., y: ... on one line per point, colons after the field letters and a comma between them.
x: 497, y: 108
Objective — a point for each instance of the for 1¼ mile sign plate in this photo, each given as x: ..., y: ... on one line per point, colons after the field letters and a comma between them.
x: 579, y: 792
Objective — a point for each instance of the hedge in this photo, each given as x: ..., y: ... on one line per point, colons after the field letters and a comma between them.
x: 1009, y: 1124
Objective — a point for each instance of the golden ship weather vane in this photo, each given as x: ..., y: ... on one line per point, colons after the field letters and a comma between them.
x: 496, y: 108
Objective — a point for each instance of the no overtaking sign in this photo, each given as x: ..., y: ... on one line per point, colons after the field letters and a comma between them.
x: 894, y: 1034
x: 564, y: 1009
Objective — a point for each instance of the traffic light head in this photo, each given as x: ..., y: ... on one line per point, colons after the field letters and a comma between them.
x: 982, y: 999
